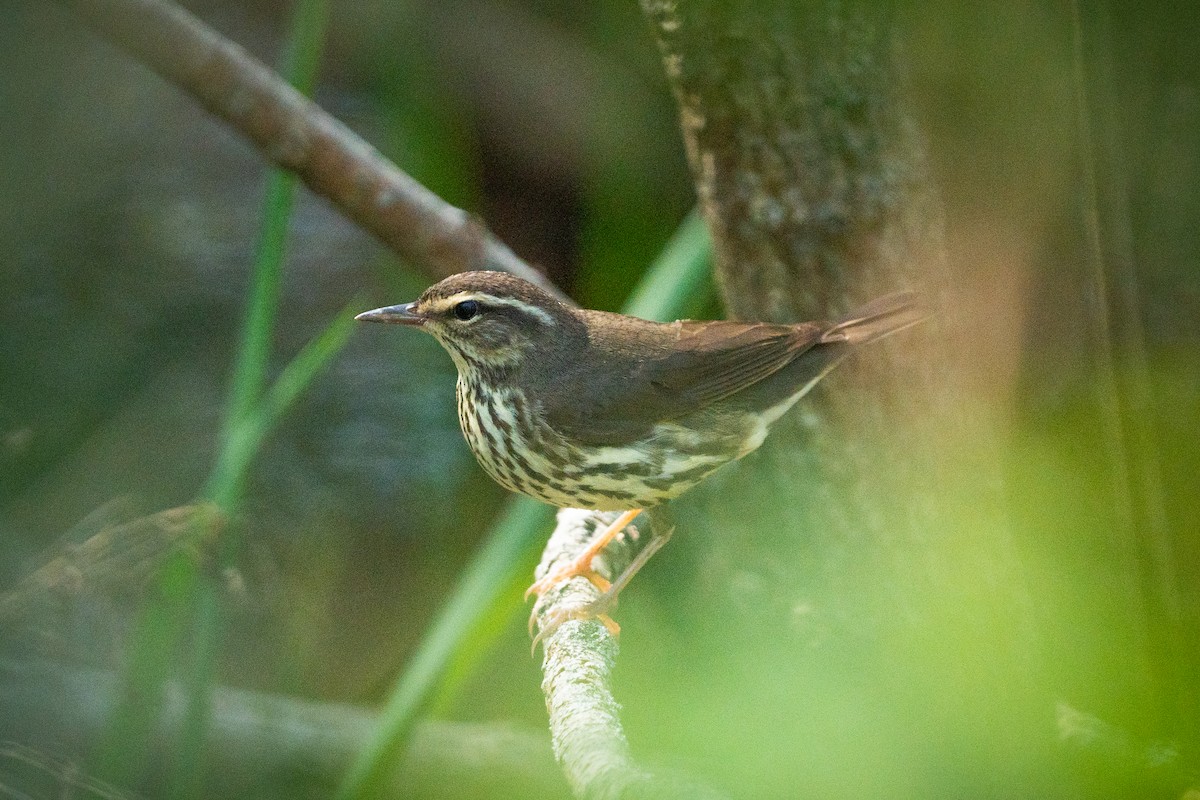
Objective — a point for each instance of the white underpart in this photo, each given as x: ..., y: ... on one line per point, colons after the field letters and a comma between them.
x: 763, y: 424
x: 502, y: 409
x: 614, y: 456
x: 578, y: 472
x: 459, y: 362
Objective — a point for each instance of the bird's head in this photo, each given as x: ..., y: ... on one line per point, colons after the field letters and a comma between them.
x: 489, y: 320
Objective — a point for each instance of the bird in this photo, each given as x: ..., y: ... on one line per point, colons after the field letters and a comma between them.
x: 597, y: 410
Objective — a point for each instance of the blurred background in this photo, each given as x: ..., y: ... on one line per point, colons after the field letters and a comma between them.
x: 129, y: 223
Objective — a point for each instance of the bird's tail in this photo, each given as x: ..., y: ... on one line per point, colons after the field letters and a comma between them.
x: 878, y: 318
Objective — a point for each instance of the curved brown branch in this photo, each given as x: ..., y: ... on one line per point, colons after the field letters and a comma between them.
x: 294, y: 133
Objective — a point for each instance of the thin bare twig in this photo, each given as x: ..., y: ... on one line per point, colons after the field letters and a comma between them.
x: 117, y: 555
x: 294, y: 133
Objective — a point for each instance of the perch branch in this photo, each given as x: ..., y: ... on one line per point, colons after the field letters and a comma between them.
x: 294, y: 133
x: 577, y: 663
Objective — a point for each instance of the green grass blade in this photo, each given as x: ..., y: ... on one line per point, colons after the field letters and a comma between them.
x: 245, y: 439
x: 123, y: 754
x: 254, y: 354
x: 182, y: 592
x: 678, y: 282
x: 514, y: 541
x: 248, y: 414
x: 305, y: 43
x: 298, y: 375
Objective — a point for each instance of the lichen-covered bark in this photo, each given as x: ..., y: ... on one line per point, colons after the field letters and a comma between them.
x: 809, y: 167
x: 577, y: 665
x: 870, y: 516
x: 812, y: 175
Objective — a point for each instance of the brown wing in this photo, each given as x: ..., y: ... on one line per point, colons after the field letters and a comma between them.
x: 699, y: 364
x: 652, y: 373
x: 714, y: 361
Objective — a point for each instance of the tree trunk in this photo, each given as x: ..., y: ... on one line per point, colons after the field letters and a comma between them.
x: 869, y: 526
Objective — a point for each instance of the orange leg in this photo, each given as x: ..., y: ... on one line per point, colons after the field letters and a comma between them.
x: 600, y: 607
x: 582, y: 566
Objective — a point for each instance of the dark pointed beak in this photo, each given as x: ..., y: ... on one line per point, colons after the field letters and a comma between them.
x: 397, y: 315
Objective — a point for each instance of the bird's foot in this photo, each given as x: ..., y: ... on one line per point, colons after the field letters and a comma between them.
x: 557, y: 578
x: 575, y: 569
x: 598, y: 610
x: 582, y: 565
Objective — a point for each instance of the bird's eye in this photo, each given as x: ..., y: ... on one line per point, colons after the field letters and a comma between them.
x: 467, y: 309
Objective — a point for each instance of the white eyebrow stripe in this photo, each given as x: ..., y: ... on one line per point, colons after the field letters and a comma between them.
x: 491, y: 300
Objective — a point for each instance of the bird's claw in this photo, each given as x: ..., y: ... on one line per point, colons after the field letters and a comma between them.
x: 546, y: 584
x: 549, y: 581
x: 597, y: 609
x: 581, y: 567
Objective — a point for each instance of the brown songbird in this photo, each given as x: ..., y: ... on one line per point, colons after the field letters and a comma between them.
x: 594, y: 410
